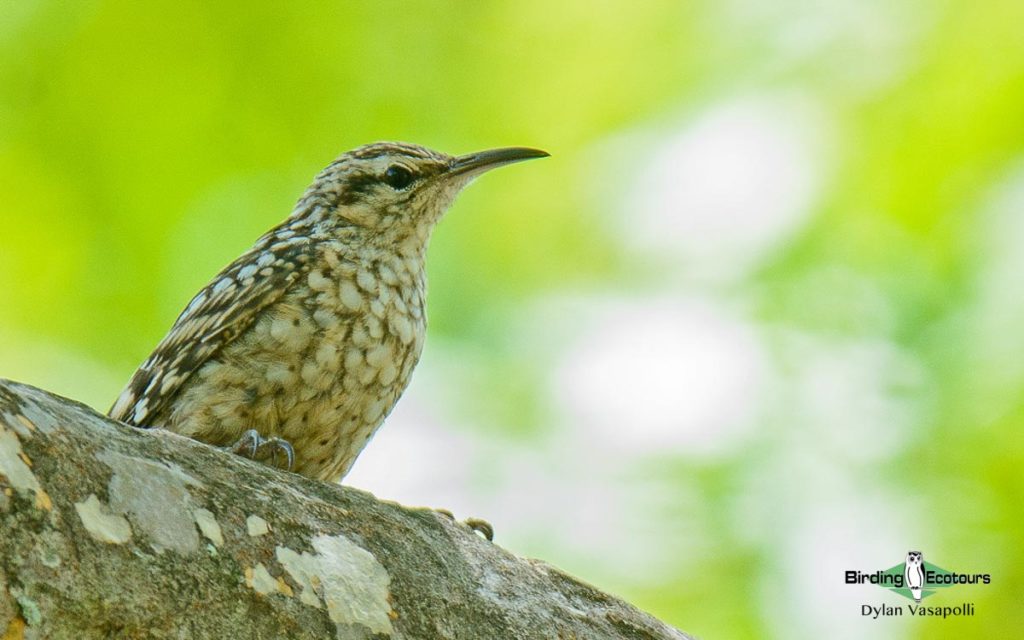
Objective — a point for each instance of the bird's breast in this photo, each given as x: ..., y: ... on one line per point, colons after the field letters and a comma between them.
x: 322, y: 368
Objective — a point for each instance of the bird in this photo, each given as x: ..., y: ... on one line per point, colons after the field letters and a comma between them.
x: 913, y: 571
x: 303, y: 345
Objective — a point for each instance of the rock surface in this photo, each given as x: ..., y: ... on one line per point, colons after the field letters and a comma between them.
x: 113, y: 532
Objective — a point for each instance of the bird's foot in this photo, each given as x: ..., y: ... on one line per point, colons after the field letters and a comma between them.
x: 478, y: 525
x: 252, y: 444
x: 481, y: 526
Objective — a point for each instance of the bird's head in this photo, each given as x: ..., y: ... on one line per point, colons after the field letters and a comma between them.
x: 396, y: 191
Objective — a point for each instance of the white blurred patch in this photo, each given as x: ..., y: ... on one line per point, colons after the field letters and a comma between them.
x: 417, y: 460
x: 995, y: 340
x: 571, y: 502
x: 846, y: 526
x: 650, y: 375
x: 813, y: 497
x: 585, y: 507
x: 727, y: 189
x: 852, y: 401
x: 858, y: 47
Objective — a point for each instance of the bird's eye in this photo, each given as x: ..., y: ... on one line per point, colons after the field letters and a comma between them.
x: 398, y: 177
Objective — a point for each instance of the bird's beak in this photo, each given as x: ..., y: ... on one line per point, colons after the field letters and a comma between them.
x: 474, y: 164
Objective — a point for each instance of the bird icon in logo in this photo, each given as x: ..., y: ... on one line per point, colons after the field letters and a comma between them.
x: 913, y: 571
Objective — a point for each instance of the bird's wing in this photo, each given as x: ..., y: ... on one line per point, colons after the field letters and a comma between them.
x: 218, y: 314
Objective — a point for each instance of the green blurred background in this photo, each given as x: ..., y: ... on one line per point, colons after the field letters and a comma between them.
x: 758, y: 320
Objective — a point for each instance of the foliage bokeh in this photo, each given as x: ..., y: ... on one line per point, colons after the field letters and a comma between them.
x: 755, y: 322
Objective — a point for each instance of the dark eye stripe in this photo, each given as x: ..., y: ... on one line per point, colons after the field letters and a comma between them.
x: 356, y: 185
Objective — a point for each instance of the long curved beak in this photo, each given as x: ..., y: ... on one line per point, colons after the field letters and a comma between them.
x: 477, y: 163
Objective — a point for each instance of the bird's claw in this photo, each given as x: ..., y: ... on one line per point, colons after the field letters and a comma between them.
x: 251, y: 444
x: 478, y: 525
